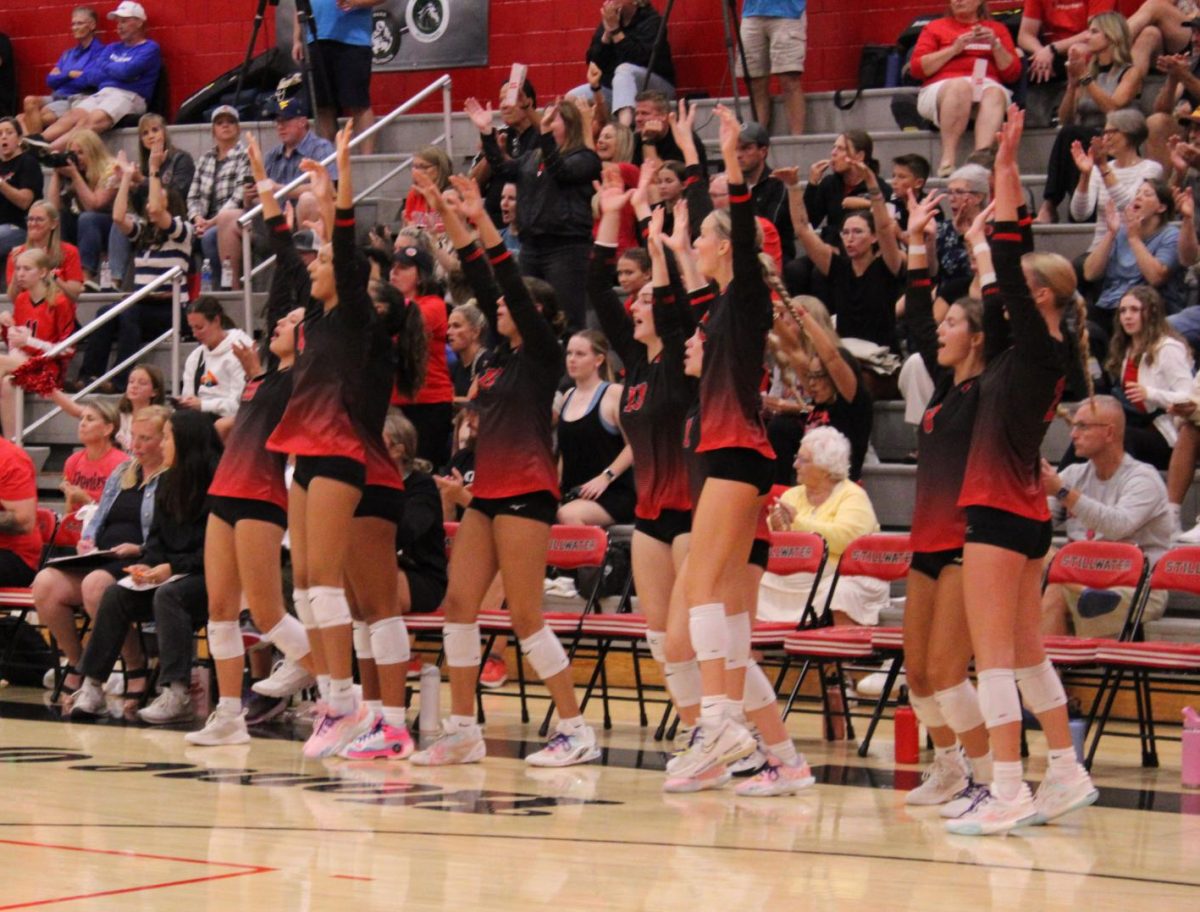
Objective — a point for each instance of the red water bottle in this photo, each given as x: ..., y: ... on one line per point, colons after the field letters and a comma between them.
x: 908, y: 744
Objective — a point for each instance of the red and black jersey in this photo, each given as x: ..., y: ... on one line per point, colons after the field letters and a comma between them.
x: 735, y: 339
x: 691, y: 458
x: 657, y: 394
x: 944, y: 434
x: 1019, y: 392
x: 332, y: 345
x: 514, y: 451
x: 248, y: 470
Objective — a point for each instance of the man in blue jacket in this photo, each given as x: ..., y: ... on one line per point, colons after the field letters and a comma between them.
x: 67, y: 82
x: 125, y: 74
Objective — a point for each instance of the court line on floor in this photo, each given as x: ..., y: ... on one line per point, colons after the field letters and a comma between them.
x: 630, y: 843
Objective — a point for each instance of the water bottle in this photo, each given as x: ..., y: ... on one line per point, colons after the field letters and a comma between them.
x: 1189, y: 766
x: 891, y: 77
x: 106, y: 281
x: 206, y: 276
x: 907, y: 738
x: 430, y: 716
x: 226, y: 273
x: 1078, y: 727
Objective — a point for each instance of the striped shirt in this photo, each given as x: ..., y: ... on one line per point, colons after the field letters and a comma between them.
x: 158, y: 258
x: 218, y: 184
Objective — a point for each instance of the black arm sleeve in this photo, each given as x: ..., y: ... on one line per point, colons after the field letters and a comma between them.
x: 918, y: 310
x: 479, y: 276
x: 1026, y: 324
x: 350, y: 272
x: 609, y: 310
x: 537, y: 335
x: 751, y: 298
x: 289, y: 284
x: 502, y: 168
x: 580, y: 167
x: 695, y: 192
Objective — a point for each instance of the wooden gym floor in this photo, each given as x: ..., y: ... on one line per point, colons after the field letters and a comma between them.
x: 108, y: 816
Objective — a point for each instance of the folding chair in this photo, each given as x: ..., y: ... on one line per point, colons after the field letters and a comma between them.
x: 879, y: 556
x: 1176, y: 571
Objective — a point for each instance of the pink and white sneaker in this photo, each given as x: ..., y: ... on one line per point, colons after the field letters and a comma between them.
x: 776, y: 778
x: 382, y: 742
x: 567, y: 749
x: 454, y: 746
x: 331, y: 733
x: 714, y: 777
x: 991, y: 816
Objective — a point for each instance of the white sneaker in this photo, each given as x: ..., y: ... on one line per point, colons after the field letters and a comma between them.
x: 567, y: 749
x: 169, y: 706
x: 872, y: 684
x: 1060, y: 795
x: 454, y: 746
x: 964, y: 801
x: 221, y: 728
x: 749, y: 764
x: 1191, y: 536
x: 286, y: 679
x: 776, y: 778
x: 87, y: 701
x: 991, y: 816
x: 714, y: 777
x: 718, y: 746
x: 942, y: 780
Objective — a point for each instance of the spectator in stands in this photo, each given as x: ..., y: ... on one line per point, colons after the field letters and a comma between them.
x: 520, y: 118
x: 44, y: 233
x: 431, y: 409
x: 827, y: 502
x: 1050, y: 28
x: 774, y: 38
x: 770, y: 195
x: 434, y: 163
x: 177, y: 172
x: 653, y: 137
x: 20, y: 540
x: 87, y: 470
x: 1138, y: 248
x: 614, y: 146
x: 68, y: 80
x: 833, y: 190
x: 964, y: 61
x: 633, y: 268
x: 1176, y: 100
x: 554, y: 199
x: 120, y: 524
x: 145, y: 387
x: 968, y: 192
x: 466, y: 332
x: 718, y: 194
x: 172, y: 567
x: 213, y: 378
x: 1110, y: 497
x: 296, y: 143
x: 620, y: 53
x: 83, y: 191
x: 20, y: 185
x: 126, y: 75
x: 42, y: 316
x: 1112, y: 168
x: 1160, y: 26
x: 864, y: 284
x: 162, y: 241
x: 420, y: 535
x: 1100, y: 80
x: 597, y: 482
x: 339, y: 50
x: 216, y: 197
x: 909, y: 175
x: 508, y: 218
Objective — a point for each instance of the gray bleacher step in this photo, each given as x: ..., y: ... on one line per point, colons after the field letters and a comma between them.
x: 1174, y: 629
x: 39, y: 455
x: 894, y: 440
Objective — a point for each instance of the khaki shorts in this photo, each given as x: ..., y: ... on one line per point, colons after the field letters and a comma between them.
x: 927, y: 98
x: 60, y: 106
x: 1110, y: 624
x: 116, y: 103
x: 774, y: 45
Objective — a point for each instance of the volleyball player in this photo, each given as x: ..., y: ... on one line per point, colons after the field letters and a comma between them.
x: 324, y: 429
x: 506, y: 528
x: 248, y: 505
x: 1008, y: 523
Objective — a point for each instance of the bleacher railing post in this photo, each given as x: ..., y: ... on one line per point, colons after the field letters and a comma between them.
x: 447, y: 112
x: 18, y: 415
x: 247, y: 284
x: 176, y: 319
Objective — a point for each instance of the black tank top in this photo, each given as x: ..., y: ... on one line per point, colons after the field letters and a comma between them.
x: 588, y: 446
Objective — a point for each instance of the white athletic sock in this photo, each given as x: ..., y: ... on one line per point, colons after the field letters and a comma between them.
x: 712, y: 711
x: 1006, y: 779
x: 375, y: 707
x: 462, y: 723
x: 981, y: 768
x: 323, y: 687
x: 341, y: 696
x: 784, y: 751
x: 394, y: 716
x: 946, y: 753
x: 230, y: 706
x: 1062, y: 762
x: 180, y: 687
x: 573, y: 726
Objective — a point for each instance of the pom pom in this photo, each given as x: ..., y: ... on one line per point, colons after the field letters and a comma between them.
x: 38, y: 375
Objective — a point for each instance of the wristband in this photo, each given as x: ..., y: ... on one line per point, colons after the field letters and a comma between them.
x: 610, y: 475
x: 265, y: 186
x: 916, y: 249
x: 980, y: 249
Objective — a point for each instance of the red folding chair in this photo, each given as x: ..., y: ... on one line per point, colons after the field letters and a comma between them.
x: 878, y: 556
x: 1176, y: 571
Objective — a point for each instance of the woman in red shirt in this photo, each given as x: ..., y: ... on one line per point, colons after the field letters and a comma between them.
x: 43, y: 232
x: 963, y: 59
x: 431, y: 410
x: 41, y: 316
x: 433, y: 162
x: 87, y: 470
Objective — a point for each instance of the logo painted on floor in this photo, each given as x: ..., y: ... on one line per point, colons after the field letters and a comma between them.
x: 360, y: 784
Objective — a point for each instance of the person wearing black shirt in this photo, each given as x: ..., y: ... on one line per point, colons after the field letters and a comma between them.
x: 518, y: 135
x: 652, y: 134
x: 769, y: 193
x: 621, y: 49
x: 20, y: 186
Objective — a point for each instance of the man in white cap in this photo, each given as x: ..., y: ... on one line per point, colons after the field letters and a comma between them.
x: 126, y: 75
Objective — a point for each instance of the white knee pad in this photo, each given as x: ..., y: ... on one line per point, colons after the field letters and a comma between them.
x: 546, y: 653
x: 362, y: 641
x: 759, y: 693
x: 998, y: 698
x: 290, y: 638
x: 737, y: 644
x: 461, y: 643
x: 960, y: 706
x: 389, y: 640
x: 329, y: 606
x: 303, y: 608
x: 657, y: 641
x: 706, y: 626
x: 927, y: 710
x: 225, y: 640
x: 1040, y: 687
x: 683, y: 682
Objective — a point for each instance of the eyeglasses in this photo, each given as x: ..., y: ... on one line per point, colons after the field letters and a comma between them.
x: 36, y: 220
x: 423, y: 166
x: 963, y: 193
x: 1087, y: 425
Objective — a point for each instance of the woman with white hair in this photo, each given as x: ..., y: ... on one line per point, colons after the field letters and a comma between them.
x: 1113, y: 169
x: 837, y: 509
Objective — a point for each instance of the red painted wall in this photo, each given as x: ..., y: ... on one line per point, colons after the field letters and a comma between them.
x: 203, y: 39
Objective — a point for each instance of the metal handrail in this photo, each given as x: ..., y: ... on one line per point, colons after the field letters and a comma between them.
x: 175, y: 276
x: 442, y: 83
